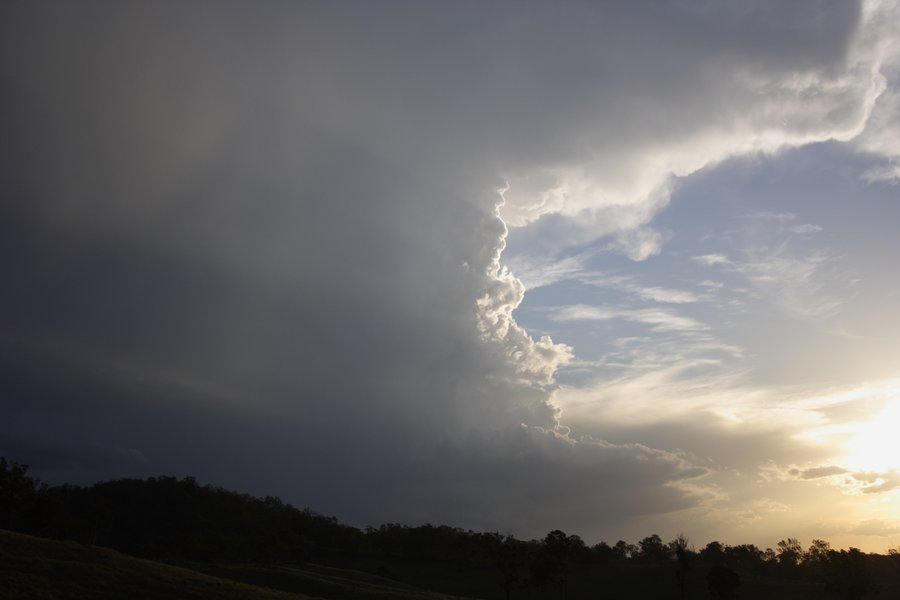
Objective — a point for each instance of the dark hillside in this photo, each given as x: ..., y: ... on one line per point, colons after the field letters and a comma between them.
x: 31, y: 567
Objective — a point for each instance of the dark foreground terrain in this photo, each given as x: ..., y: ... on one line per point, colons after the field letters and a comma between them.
x: 174, y: 538
x: 33, y: 567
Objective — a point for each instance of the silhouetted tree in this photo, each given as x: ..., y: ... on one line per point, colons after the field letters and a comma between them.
x: 683, y: 555
x: 722, y: 582
x: 653, y: 550
x: 713, y: 553
x: 509, y: 555
x: 814, y: 560
x: 818, y: 551
x: 623, y: 550
x: 602, y: 553
x: 894, y: 560
x: 789, y: 553
x: 551, y: 563
x: 847, y: 574
x: 17, y: 494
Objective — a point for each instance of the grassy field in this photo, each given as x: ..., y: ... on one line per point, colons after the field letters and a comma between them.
x: 602, y: 582
x: 32, y: 567
x: 584, y: 582
x: 323, y: 582
x: 37, y: 568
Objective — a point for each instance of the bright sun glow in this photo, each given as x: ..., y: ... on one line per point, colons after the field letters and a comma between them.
x: 876, y: 444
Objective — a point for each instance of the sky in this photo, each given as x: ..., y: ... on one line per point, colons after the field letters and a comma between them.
x: 616, y: 268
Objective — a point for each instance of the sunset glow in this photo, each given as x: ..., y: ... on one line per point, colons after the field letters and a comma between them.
x: 875, y: 444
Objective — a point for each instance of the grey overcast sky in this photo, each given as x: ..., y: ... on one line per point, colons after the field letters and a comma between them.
x: 611, y: 267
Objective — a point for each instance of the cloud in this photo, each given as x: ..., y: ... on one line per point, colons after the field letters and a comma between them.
x: 284, y: 224
x: 875, y: 527
x: 767, y: 110
x: 536, y: 273
x: 769, y: 215
x: 796, y: 283
x: 712, y: 259
x: 784, y: 220
x: 639, y: 244
x: 818, y: 472
x: 872, y: 482
x: 806, y: 228
x: 630, y: 285
x: 658, y: 319
x: 889, y: 172
x: 781, y: 265
x: 667, y: 296
x: 882, y: 129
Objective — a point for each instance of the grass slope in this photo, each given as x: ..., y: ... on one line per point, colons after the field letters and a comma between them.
x: 325, y: 582
x: 32, y: 567
x: 605, y: 582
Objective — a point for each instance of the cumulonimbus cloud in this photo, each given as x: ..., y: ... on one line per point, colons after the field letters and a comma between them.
x: 299, y: 205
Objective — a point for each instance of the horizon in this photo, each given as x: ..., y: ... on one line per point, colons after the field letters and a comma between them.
x: 614, y: 267
x: 691, y: 544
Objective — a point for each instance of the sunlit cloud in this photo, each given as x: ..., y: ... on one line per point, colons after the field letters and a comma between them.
x: 817, y: 472
x: 882, y: 131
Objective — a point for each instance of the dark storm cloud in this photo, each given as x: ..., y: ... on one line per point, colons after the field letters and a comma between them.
x: 258, y: 244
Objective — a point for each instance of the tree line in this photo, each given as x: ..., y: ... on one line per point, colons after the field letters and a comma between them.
x: 171, y: 519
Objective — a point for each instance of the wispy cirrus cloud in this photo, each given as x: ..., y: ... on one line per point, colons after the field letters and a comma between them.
x: 536, y: 272
x: 712, y: 259
x: 889, y: 172
x: 631, y: 285
x: 806, y: 228
x: 666, y: 295
x: 658, y: 319
x: 780, y: 264
x: 795, y: 282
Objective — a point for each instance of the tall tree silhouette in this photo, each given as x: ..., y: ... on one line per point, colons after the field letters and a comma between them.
x: 551, y: 563
x: 683, y: 556
x: 17, y: 494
